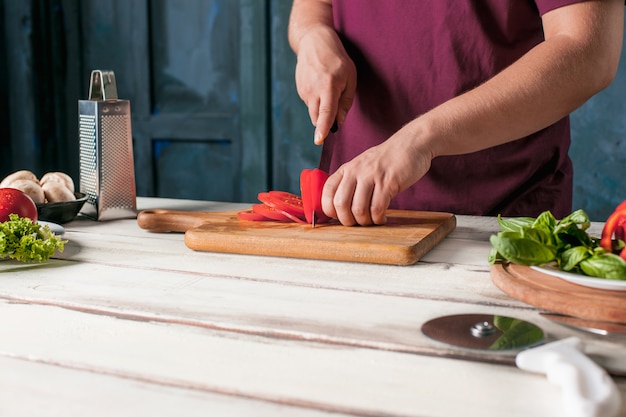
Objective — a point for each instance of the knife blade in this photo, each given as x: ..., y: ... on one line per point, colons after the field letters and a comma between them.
x: 334, y: 127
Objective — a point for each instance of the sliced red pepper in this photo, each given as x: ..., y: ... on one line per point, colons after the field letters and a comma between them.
x: 619, y: 227
x: 287, y: 207
x: 620, y: 233
x: 606, y: 240
x: 311, y: 186
x: 275, y: 214
x: 284, y: 201
x: 251, y: 215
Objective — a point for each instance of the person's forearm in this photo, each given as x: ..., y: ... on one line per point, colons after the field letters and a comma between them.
x: 306, y: 14
x: 545, y: 85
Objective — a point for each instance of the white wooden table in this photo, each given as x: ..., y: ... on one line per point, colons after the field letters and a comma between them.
x: 127, y: 322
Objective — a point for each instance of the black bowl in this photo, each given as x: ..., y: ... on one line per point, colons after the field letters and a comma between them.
x: 61, y: 211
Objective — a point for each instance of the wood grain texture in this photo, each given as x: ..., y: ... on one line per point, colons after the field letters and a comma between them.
x: 403, y: 240
x: 129, y: 322
x: 77, y: 391
x: 554, y: 294
x: 292, y: 374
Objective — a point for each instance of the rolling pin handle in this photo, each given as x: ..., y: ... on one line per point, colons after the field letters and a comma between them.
x: 169, y: 220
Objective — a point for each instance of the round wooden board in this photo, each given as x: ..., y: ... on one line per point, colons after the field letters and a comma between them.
x: 559, y: 296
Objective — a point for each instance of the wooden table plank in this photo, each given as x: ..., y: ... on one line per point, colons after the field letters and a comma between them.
x: 301, y: 374
x: 412, y: 280
x: 288, y: 311
x: 29, y: 388
x: 389, y: 321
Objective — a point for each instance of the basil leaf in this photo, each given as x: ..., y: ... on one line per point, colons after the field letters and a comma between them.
x: 515, y: 224
x: 606, y: 265
x: 521, y: 250
x: 539, y: 234
x: 545, y: 221
x: 570, y: 258
x: 574, y: 236
x: 578, y: 217
x: 494, y: 256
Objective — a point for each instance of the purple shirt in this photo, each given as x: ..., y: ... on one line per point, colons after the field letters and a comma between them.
x: 413, y: 55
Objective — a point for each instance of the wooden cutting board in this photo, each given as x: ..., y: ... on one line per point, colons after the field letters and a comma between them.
x: 406, y: 237
x: 559, y: 296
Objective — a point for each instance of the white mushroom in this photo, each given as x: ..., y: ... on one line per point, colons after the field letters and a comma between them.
x: 30, y: 188
x: 55, y: 191
x: 17, y: 175
x: 61, y: 177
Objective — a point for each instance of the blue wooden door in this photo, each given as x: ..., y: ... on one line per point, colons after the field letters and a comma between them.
x: 195, y: 73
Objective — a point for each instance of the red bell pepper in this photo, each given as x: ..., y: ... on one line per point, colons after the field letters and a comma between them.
x: 615, y: 226
x: 311, y: 186
x: 620, y: 233
x: 619, y: 227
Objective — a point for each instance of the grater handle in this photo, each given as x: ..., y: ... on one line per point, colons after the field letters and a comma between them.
x: 102, y: 85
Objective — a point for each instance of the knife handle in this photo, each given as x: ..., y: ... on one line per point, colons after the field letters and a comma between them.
x: 587, y: 389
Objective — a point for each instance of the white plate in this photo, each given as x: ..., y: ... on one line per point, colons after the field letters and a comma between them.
x: 601, y: 283
x: 57, y: 229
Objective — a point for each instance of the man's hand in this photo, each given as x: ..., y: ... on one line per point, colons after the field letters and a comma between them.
x: 361, y: 190
x: 325, y: 74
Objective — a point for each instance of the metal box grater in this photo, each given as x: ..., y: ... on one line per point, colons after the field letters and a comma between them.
x: 107, y: 173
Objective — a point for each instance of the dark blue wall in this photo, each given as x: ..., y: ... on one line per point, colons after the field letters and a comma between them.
x: 599, y: 149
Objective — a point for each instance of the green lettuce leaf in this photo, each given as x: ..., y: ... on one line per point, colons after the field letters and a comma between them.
x: 25, y: 241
